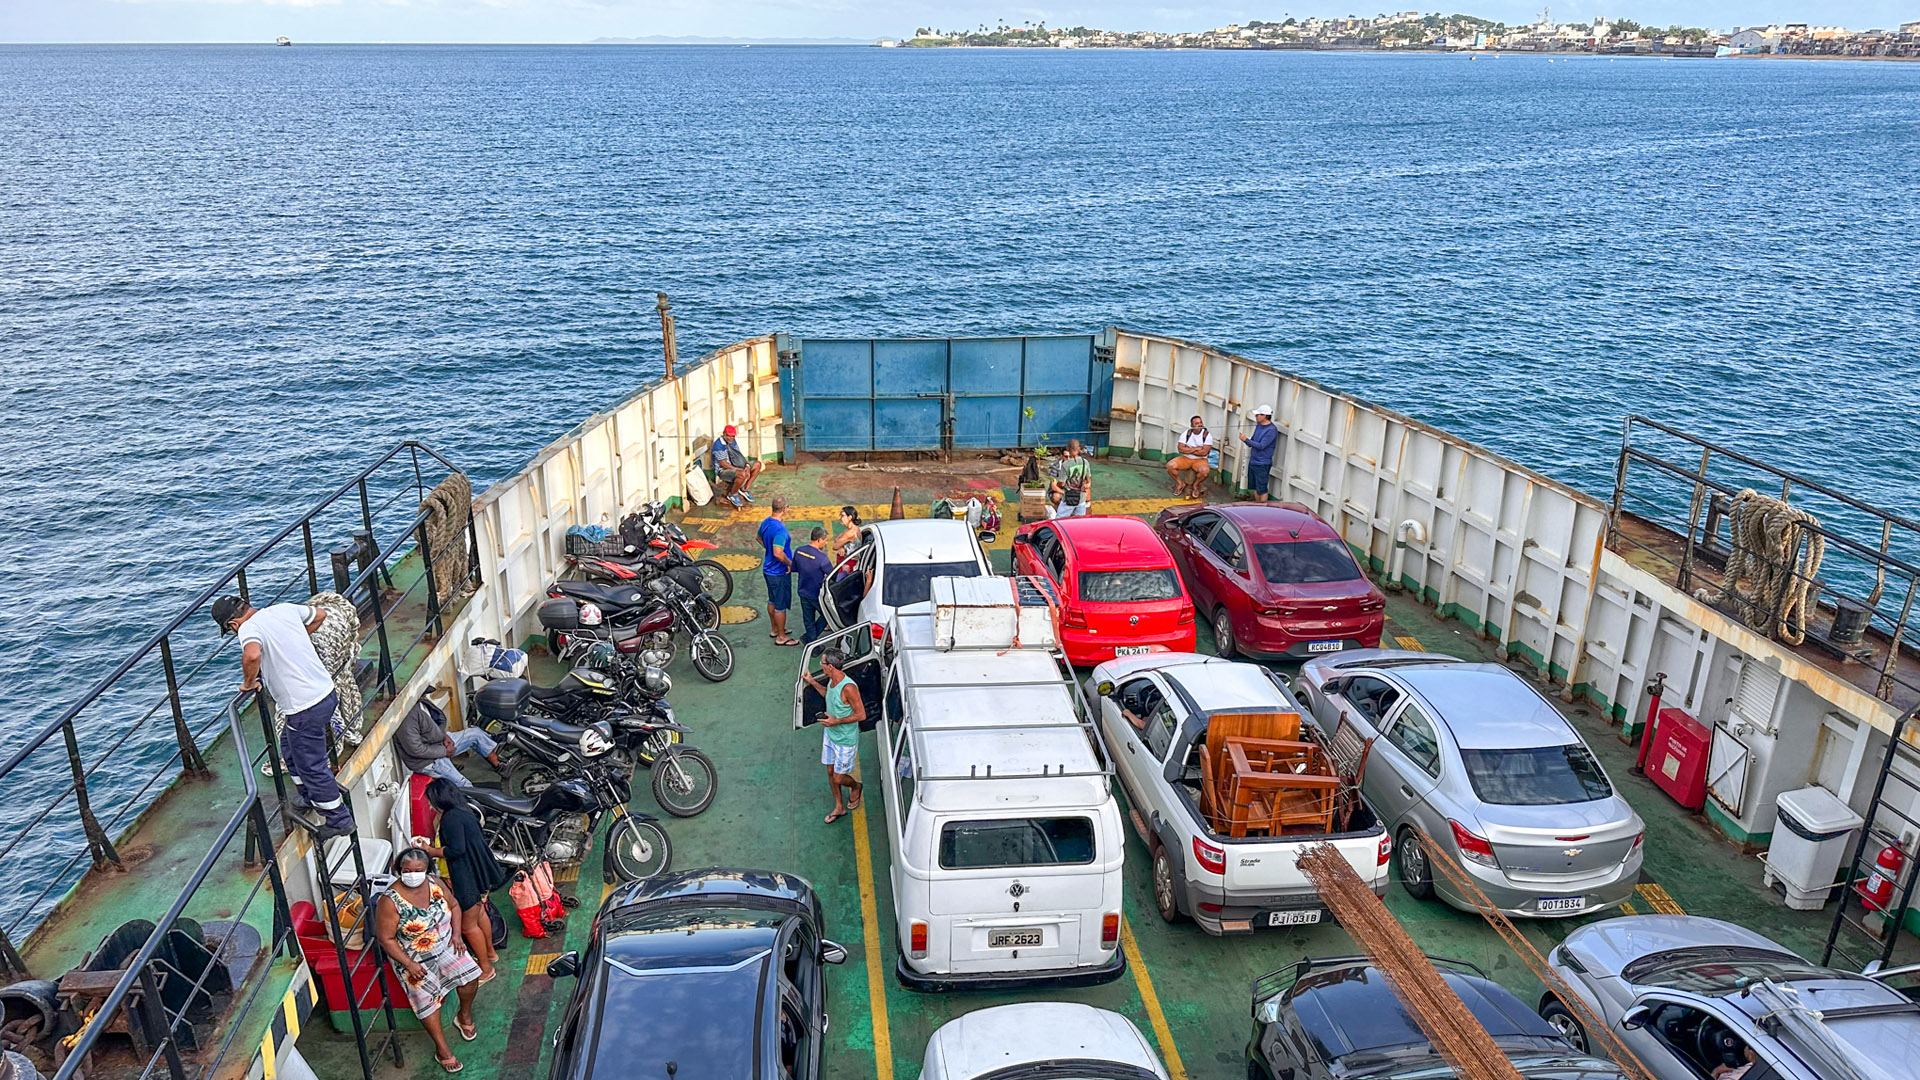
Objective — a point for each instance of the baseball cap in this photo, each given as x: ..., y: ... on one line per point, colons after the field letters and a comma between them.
x: 731, y: 430
x: 225, y: 608
x: 1264, y: 410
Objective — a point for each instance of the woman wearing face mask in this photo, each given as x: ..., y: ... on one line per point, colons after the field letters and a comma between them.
x: 415, y: 919
x: 472, y: 870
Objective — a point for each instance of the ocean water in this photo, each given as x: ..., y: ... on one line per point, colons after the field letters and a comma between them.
x: 230, y: 275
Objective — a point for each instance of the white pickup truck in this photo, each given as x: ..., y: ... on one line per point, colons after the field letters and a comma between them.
x: 1154, y: 714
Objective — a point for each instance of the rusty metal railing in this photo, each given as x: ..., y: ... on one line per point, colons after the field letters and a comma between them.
x: 48, y: 780
x: 1862, y: 600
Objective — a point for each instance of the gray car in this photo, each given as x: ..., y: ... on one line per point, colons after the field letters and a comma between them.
x: 1690, y: 996
x: 1478, y: 760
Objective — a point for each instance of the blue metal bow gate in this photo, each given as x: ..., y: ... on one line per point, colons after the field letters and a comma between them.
x: 852, y: 394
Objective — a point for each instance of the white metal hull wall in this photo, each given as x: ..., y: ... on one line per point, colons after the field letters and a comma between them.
x: 1516, y: 555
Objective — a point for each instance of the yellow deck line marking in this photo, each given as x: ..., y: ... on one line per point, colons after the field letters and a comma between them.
x: 605, y: 891
x: 1627, y: 909
x: 1161, y: 1032
x: 870, y: 939
x: 1411, y: 643
x: 1658, y: 899
x: 567, y: 873
x: 537, y: 963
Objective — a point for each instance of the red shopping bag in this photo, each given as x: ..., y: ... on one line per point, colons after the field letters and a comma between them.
x: 552, y: 907
x: 526, y: 904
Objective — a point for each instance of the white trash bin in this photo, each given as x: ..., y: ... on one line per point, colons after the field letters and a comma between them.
x: 1811, y: 840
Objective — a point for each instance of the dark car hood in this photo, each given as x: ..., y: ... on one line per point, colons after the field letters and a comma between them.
x: 1354, y: 1011
x: 715, y: 883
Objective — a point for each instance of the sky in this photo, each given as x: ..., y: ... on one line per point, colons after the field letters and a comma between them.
x: 583, y: 20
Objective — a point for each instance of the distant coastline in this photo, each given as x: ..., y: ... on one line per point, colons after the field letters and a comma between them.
x: 662, y: 39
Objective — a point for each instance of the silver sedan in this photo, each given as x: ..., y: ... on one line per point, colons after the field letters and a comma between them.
x: 1478, y: 760
x: 1696, y: 998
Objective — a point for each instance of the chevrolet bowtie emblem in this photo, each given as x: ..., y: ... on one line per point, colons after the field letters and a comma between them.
x: 1572, y: 851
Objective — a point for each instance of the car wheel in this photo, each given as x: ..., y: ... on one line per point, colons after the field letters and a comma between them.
x: 1562, y: 1020
x: 1223, y: 635
x: 1415, y: 875
x: 1164, y: 884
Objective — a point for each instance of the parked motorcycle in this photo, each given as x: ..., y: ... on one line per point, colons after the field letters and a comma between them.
x: 649, y: 544
x: 558, y: 789
x: 618, y: 726
x: 633, y: 618
x: 712, y: 655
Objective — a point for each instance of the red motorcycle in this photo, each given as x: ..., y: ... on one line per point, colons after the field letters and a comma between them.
x: 648, y: 545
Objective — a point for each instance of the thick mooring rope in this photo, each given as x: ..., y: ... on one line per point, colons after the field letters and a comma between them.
x: 1767, y: 533
x: 448, y: 506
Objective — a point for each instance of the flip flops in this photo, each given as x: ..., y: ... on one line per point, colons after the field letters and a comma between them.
x: 453, y: 1068
x: 469, y: 1033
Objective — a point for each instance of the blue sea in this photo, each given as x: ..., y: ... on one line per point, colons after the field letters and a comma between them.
x: 229, y: 275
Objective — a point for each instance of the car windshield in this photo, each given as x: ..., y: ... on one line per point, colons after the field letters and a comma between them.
x: 1719, y: 969
x: 1128, y: 586
x: 1306, y: 562
x: 912, y: 582
x: 1536, y: 776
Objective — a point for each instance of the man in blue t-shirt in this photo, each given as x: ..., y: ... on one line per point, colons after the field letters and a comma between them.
x: 1260, y: 456
x: 810, y: 565
x: 777, y: 565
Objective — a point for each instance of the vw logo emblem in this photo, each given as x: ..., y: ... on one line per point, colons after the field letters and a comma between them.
x: 1133, y: 620
x: 1016, y: 890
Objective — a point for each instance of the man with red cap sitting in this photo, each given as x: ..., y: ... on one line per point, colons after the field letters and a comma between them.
x: 733, y: 468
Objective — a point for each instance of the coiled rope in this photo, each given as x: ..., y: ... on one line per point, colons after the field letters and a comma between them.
x: 448, y: 506
x: 1767, y: 534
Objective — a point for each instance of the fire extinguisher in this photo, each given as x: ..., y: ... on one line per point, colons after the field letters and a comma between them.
x: 1877, y: 892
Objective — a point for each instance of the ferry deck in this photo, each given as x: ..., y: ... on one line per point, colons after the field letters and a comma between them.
x: 1187, y: 991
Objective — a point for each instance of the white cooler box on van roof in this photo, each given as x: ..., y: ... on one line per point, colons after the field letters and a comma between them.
x: 993, y: 613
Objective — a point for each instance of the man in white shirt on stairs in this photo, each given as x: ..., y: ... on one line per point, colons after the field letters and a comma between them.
x: 276, y: 647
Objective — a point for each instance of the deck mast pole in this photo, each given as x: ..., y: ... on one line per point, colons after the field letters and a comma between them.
x: 666, y: 332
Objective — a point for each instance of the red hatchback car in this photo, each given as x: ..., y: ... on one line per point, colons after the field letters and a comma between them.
x: 1274, y: 580
x: 1120, y: 593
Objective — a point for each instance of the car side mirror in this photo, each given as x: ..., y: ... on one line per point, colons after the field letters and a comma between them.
x: 1105, y: 688
x: 567, y: 963
x: 1635, y: 1018
x: 832, y: 952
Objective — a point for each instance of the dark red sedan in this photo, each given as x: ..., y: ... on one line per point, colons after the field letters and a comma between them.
x: 1273, y: 580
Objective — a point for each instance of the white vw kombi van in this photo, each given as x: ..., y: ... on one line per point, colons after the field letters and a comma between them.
x: 1004, y: 840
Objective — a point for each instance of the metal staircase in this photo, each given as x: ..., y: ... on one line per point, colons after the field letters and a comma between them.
x: 1865, y: 931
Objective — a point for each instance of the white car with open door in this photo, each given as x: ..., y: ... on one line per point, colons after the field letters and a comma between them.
x: 892, y: 566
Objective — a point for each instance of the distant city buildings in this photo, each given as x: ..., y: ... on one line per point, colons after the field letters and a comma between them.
x: 1413, y: 30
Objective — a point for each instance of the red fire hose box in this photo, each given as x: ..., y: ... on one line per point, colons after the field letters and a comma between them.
x: 1677, y: 761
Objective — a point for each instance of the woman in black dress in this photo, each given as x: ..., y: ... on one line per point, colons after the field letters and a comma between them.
x: 471, y: 868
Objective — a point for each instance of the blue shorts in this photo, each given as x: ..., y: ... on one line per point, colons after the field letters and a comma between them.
x: 779, y: 591
x: 1257, y: 477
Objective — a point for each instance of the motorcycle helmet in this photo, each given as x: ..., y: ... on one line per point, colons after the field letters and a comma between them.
x: 599, y: 655
x: 655, y: 683
x: 590, y: 615
x: 596, y: 739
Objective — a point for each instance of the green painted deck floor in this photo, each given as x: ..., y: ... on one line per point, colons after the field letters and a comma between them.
x: 773, y: 796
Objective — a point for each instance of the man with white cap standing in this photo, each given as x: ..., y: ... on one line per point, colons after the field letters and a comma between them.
x: 1260, y: 456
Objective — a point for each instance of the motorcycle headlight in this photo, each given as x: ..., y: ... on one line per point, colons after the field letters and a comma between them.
x: 590, y: 615
x: 596, y: 740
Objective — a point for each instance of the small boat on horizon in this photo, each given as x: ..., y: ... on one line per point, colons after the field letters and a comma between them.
x: 283, y: 41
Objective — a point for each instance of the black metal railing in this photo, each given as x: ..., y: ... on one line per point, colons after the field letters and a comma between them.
x: 1861, y: 600
x: 164, y: 1003
x: 70, y: 788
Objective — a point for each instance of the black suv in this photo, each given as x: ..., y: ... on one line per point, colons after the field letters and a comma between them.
x: 1339, y: 1019
x: 699, y: 973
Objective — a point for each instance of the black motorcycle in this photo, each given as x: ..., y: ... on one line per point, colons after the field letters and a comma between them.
x: 536, y: 750
x: 558, y: 825
x: 636, y: 620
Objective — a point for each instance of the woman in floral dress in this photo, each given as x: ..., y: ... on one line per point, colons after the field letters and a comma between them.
x: 415, y: 919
